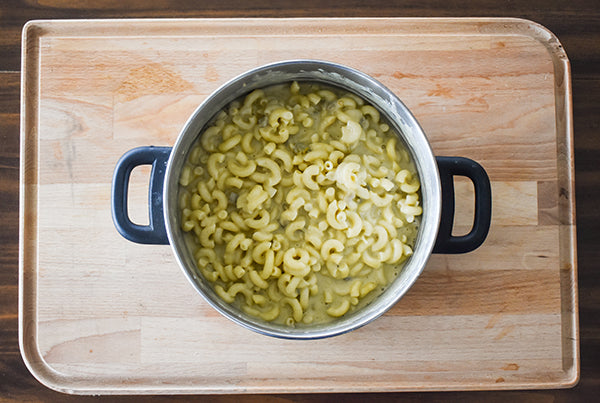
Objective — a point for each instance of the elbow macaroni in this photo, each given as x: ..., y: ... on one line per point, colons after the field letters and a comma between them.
x: 299, y: 204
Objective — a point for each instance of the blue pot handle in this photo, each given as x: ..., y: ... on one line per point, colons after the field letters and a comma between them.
x: 155, y: 232
x: 459, y: 166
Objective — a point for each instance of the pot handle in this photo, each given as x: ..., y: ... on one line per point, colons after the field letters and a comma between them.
x: 155, y: 232
x: 459, y: 166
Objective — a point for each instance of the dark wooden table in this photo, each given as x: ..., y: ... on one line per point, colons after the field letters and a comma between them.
x: 577, y: 25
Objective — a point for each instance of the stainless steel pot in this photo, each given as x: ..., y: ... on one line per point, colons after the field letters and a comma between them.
x: 436, y: 177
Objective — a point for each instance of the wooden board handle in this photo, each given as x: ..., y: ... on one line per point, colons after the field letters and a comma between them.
x: 460, y: 166
x: 155, y: 232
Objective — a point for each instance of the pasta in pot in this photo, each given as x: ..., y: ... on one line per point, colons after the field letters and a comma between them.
x: 299, y: 204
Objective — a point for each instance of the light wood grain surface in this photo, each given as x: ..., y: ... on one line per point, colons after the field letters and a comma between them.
x: 103, y: 315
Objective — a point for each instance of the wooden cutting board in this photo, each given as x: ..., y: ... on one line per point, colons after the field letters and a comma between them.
x: 100, y: 314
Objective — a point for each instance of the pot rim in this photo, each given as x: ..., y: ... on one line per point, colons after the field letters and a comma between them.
x: 397, y: 115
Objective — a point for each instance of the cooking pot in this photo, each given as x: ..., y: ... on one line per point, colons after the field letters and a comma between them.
x: 435, y: 175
